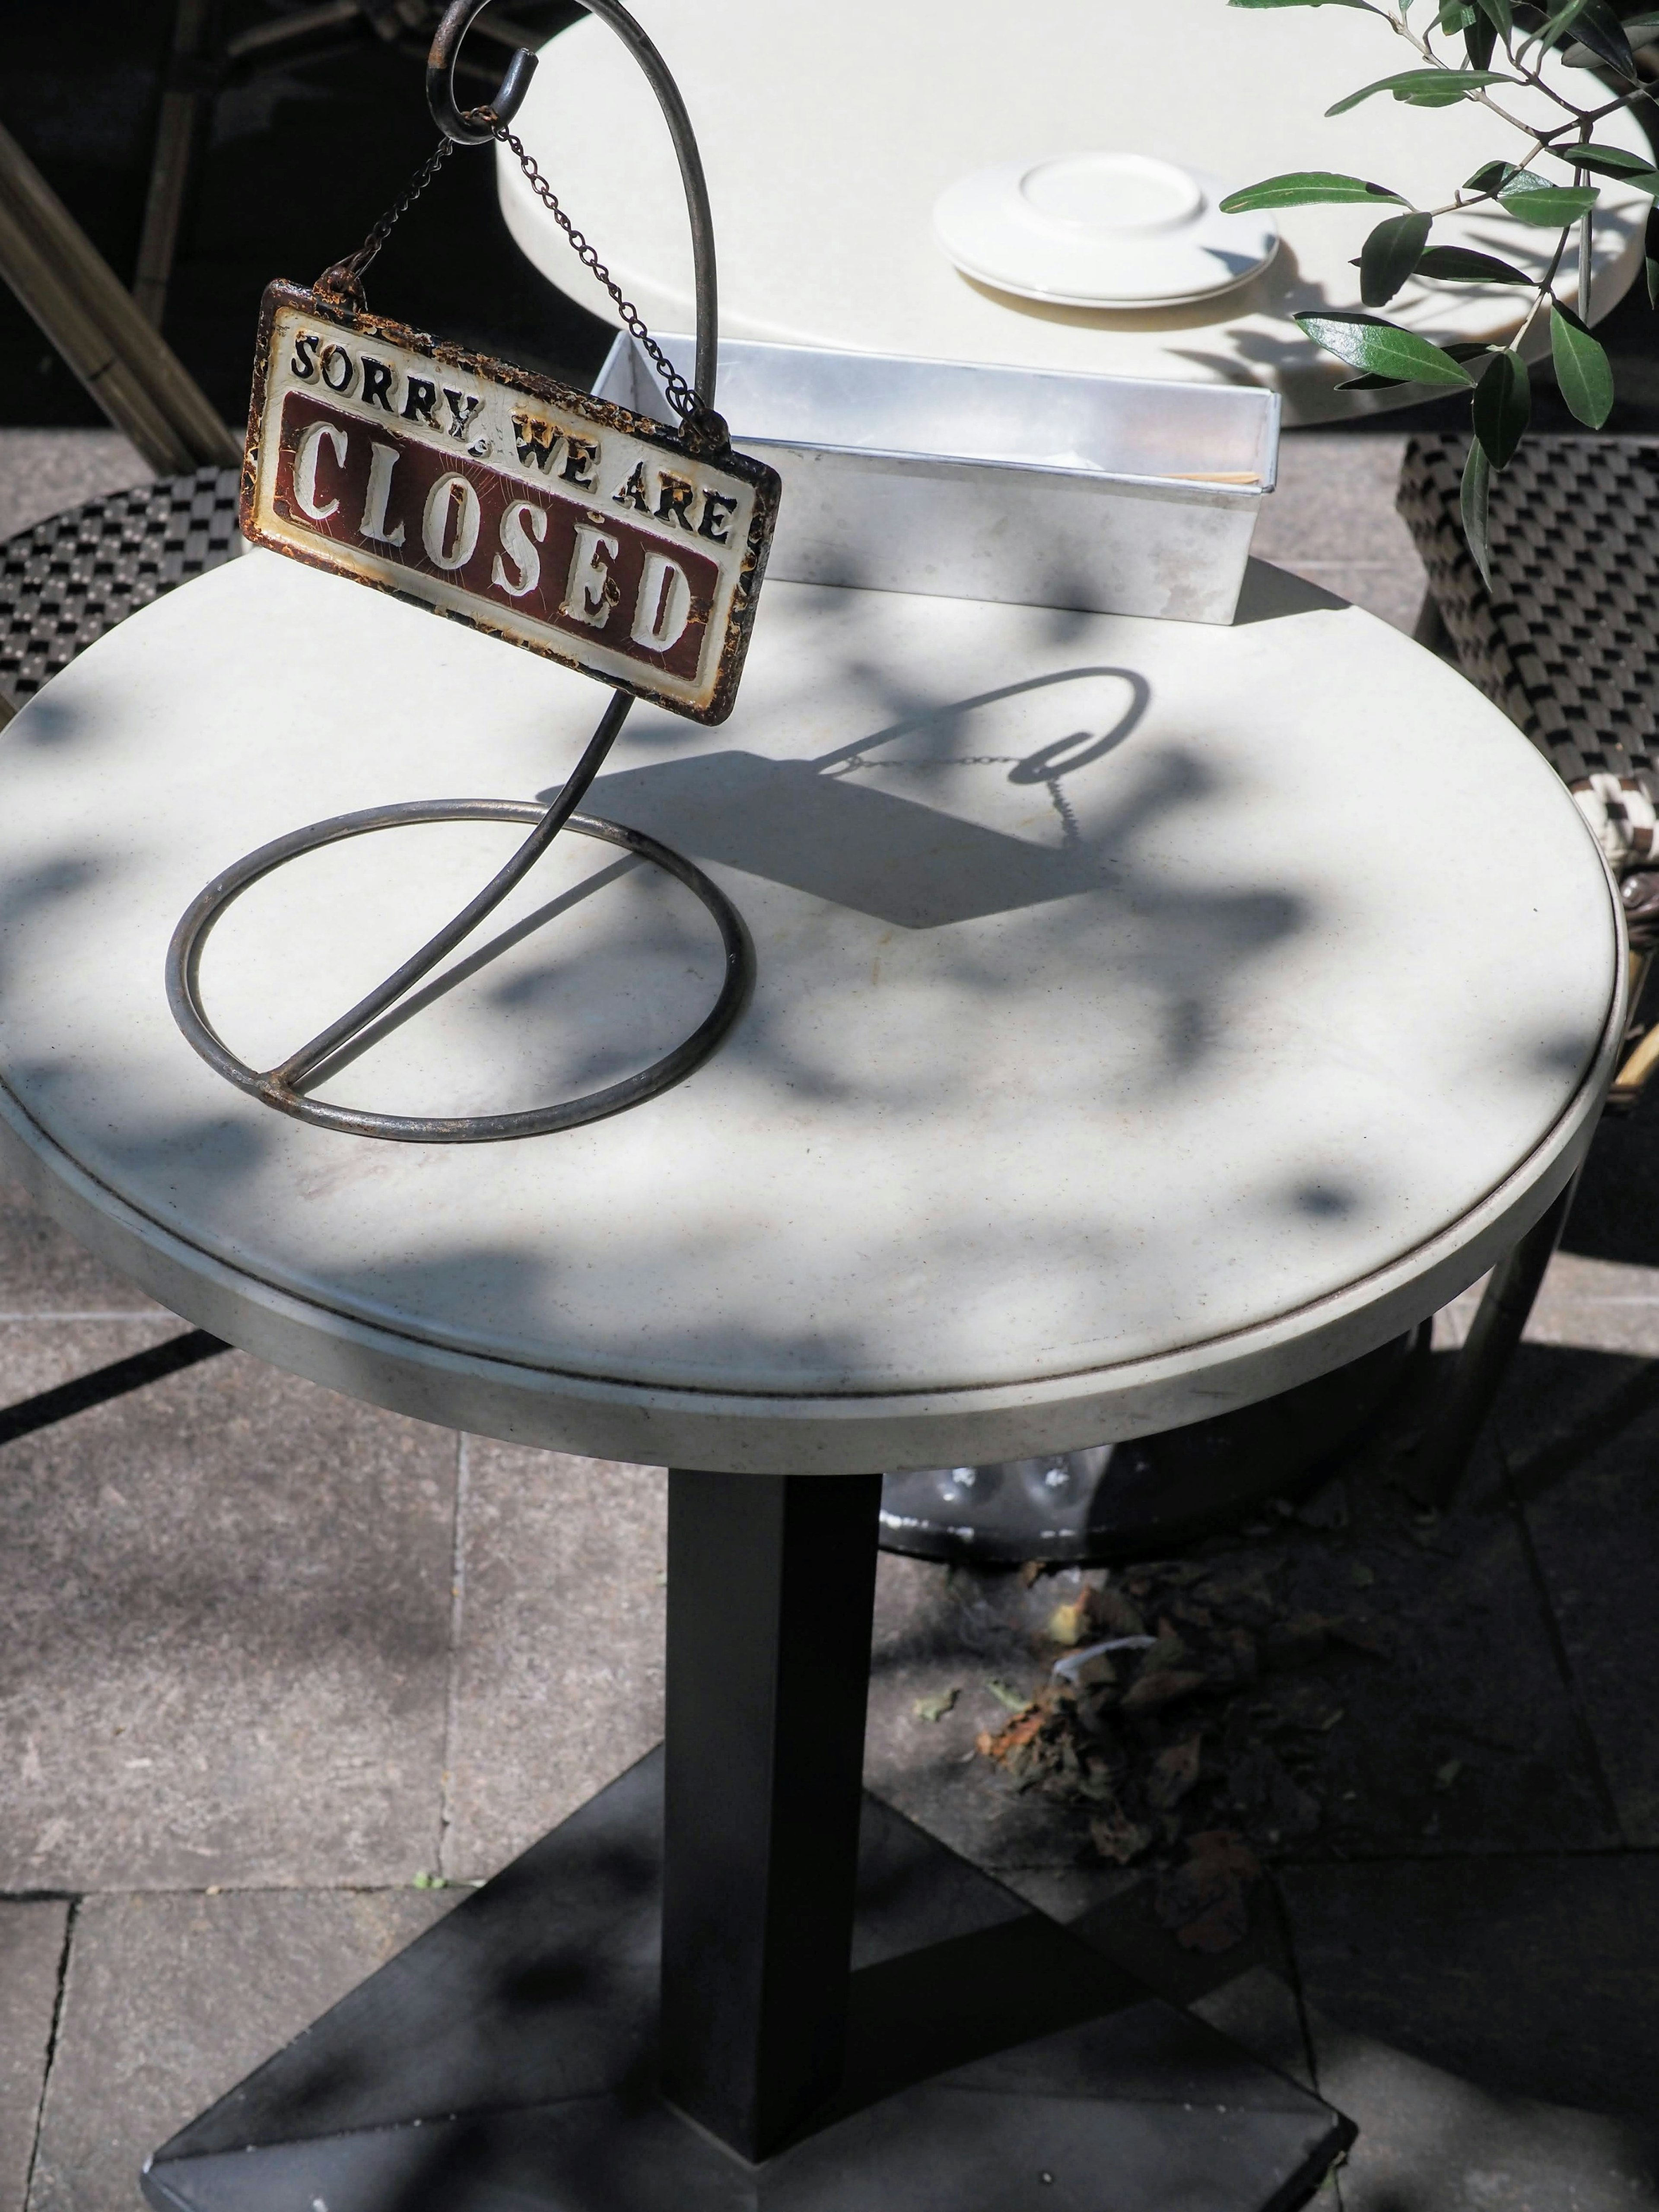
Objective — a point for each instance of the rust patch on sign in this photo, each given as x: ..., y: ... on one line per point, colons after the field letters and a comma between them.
x: 539, y: 514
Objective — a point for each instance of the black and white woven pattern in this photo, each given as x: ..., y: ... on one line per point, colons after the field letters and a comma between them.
x: 66, y: 580
x: 1567, y: 642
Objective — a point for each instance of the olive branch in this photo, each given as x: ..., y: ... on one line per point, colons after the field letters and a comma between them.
x: 1398, y: 249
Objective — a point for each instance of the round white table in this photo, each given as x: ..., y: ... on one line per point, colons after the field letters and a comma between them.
x: 826, y: 143
x: 1147, y: 1017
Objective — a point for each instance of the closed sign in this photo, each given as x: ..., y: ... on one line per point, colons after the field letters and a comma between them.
x: 548, y: 518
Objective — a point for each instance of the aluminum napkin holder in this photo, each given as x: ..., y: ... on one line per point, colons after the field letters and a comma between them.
x: 1113, y: 495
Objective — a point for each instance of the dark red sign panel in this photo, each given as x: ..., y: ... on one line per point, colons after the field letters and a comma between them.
x: 551, y: 519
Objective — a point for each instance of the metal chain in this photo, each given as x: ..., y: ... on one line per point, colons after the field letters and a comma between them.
x: 681, y: 397
x: 346, y: 277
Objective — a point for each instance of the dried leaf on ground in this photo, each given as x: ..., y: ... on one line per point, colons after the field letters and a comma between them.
x: 1151, y: 1692
x: 1116, y: 1614
x: 1021, y: 1731
x: 1205, y: 1902
x: 1174, y: 1772
x: 1117, y: 1837
x: 1006, y: 1694
x: 1070, y: 1623
x: 1166, y: 1652
x: 935, y: 1709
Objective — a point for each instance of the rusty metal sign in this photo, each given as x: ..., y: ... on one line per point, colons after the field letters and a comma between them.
x: 503, y: 499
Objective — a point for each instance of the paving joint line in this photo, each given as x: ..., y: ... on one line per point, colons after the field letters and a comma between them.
x: 1281, y: 1913
x: 452, y: 1674
x: 155, y: 1315
x: 53, y: 2034
x: 1581, y: 1721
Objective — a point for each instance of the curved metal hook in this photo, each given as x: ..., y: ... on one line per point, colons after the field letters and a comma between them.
x: 466, y: 126
x: 468, y: 131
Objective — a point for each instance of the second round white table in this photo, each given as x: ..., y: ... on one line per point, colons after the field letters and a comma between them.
x: 827, y: 141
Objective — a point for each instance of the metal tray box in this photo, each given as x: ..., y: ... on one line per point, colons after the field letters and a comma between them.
x: 1104, y: 493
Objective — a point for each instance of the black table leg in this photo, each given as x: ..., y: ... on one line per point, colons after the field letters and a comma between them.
x: 771, y: 1585
x: 803, y: 2003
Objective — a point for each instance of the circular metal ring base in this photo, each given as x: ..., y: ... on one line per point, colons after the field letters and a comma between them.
x: 1134, y: 1500
x: 184, y: 954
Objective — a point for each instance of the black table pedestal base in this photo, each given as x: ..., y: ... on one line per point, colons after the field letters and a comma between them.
x: 507, y: 2061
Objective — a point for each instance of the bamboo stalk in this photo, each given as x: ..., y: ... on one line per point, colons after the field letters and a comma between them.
x: 75, y: 296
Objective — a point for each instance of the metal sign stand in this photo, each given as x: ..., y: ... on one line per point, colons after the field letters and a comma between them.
x: 728, y: 530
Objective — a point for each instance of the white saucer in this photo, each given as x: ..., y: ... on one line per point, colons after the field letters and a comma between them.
x: 1100, y: 230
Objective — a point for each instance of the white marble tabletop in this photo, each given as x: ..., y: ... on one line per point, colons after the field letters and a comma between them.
x: 826, y: 138
x: 1147, y: 1016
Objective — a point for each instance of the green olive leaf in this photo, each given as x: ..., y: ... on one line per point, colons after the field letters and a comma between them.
x: 1651, y: 271
x: 1502, y: 406
x: 1461, y: 265
x: 1305, y: 188
x: 1426, y: 88
x: 1582, y: 368
x: 1366, y: 342
x: 1546, y: 207
x: 1554, y: 27
x: 1598, y: 29
x: 1389, y: 255
x: 1613, y: 162
x: 1474, y: 500
x: 1497, y: 13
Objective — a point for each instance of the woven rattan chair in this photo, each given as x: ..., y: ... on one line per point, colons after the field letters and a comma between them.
x: 1567, y: 641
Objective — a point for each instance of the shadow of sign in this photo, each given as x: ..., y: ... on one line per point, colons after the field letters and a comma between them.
x: 812, y: 826
x: 905, y: 863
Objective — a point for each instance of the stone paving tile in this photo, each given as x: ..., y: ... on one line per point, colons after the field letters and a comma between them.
x: 1461, y: 1736
x: 1248, y: 1993
x: 1335, y: 502
x: 1430, y: 2142
x: 1528, y: 1978
x: 43, y: 1270
x: 41, y: 1353
x: 226, y: 1617
x: 31, y: 1955
x: 1582, y: 1437
x: 1616, y: 1215
x: 1604, y: 1305
x: 558, y: 1667
x: 1492, y: 2027
x: 168, y: 2002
